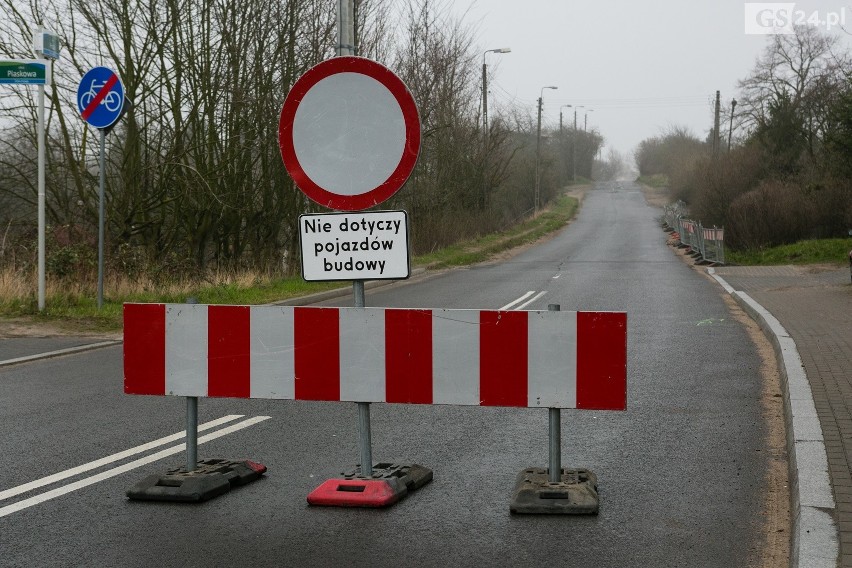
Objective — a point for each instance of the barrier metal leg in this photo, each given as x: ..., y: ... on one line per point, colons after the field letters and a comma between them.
x: 368, y: 486
x: 555, y: 463
x: 191, y: 433
x: 198, y: 481
x: 555, y: 432
x: 555, y: 490
x: 365, y: 439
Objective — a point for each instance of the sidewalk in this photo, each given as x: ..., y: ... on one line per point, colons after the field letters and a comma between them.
x: 814, y: 304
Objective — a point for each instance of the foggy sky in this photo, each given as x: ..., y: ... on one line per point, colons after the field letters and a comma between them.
x: 640, y: 65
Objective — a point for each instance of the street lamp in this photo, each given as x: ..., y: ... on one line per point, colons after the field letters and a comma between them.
x: 538, y: 149
x: 485, y: 120
x: 731, y: 125
x: 574, y: 146
x: 586, y: 117
x: 485, y: 92
x: 560, y: 117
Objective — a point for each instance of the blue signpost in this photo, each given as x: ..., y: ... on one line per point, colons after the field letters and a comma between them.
x: 100, y: 100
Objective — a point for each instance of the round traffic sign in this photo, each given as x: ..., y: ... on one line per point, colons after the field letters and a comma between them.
x: 349, y: 133
x: 100, y: 97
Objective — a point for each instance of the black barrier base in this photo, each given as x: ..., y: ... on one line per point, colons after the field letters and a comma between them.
x: 211, y: 478
x: 575, y: 494
x: 413, y: 476
x: 388, y: 484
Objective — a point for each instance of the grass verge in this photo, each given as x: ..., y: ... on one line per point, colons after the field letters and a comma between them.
x: 484, y: 248
x: 815, y: 251
x: 656, y: 180
x: 75, y: 306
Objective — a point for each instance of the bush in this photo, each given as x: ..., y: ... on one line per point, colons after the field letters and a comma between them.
x: 710, y: 186
x: 775, y: 213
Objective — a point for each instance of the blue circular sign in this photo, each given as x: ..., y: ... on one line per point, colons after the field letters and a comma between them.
x: 100, y: 97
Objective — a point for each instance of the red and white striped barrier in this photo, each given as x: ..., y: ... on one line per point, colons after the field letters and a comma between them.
x: 541, y: 359
x: 714, y: 234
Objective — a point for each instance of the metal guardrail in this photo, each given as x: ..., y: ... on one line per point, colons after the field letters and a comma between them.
x: 708, y: 242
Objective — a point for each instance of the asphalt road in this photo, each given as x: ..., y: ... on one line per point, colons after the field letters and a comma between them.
x: 681, y: 472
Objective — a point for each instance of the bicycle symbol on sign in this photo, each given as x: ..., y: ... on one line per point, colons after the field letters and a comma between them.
x: 111, y: 101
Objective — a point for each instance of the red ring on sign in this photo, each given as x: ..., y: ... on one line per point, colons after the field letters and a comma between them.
x: 400, y: 92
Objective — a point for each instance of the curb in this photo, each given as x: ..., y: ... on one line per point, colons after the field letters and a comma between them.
x: 60, y: 352
x: 814, y: 541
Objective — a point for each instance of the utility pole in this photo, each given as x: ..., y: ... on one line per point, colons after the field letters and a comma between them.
x: 716, y: 128
x: 538, y: 150
x: 574, y: 149
x: 731, y: 125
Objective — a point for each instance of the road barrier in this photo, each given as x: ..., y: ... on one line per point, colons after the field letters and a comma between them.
x: 707, y: 243
x: 536, y: 359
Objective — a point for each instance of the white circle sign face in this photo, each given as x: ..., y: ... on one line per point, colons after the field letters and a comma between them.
x: 349, y: 133
x: 356, y: 121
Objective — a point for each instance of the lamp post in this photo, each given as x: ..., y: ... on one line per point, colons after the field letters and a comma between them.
x: 538, y: 150
x: 731, y: 125
x: 560, y: 117
x: 485, y: 93
x: 574, y: 147
x: 586, y: 117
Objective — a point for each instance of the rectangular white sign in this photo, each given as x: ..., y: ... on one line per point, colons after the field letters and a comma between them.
x: 355, y: 246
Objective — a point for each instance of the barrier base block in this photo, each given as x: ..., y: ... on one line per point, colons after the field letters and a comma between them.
x: 388, y: 484
x: 211, y: 478
x: 575, y: 494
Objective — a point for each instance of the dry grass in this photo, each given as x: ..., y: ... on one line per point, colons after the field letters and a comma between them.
x: 20, y: 286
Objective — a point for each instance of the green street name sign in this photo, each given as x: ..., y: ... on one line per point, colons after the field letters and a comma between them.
x: 23, y: 72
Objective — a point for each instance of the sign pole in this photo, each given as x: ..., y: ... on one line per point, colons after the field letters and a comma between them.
x: 101, y: 220
x: 365, y: 443
x: 41, y: 198
x: 345, y: 47
x: 101, y: 101
x: 45, y: 45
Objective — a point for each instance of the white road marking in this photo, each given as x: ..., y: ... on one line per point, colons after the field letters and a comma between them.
x: 530, y: 301
x: 557, y: 276
x: 85, y: 482
x: 109, y: 459
x: 521, y: 299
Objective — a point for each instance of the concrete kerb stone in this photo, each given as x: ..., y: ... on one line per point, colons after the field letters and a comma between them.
x: 60, y: 352
x: 814, y: 540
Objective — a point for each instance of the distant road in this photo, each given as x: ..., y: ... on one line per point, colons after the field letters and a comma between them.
x: 681, y: 472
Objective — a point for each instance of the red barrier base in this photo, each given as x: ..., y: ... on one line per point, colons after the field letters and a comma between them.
x: 575, y: 494
x: 358, y: 493
x: 388, y: 484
